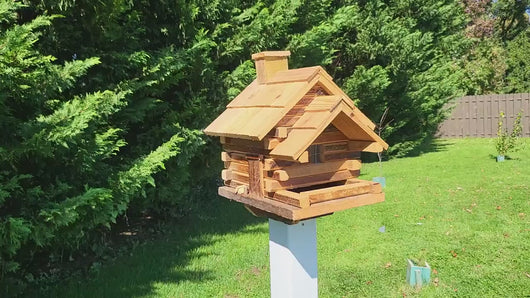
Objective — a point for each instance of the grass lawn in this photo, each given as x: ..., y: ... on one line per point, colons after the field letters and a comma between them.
x: 455, y: 207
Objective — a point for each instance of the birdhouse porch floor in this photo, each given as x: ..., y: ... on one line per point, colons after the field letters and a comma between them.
x: 291, y: 206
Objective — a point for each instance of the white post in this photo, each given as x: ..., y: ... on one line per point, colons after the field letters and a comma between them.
x: 293, y: 259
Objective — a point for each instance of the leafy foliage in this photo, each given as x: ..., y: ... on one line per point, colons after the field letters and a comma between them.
x: 480, y: 25
x: 407, y: 66
x: 62, y: 174
x: 518, y: 62
x: 497, y: 49
x: 510, y: 18
x: 485, y: 67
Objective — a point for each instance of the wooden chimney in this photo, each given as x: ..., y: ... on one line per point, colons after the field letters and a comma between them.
x: 269, y: 63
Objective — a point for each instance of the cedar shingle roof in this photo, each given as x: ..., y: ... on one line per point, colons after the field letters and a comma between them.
x: 258, y: 109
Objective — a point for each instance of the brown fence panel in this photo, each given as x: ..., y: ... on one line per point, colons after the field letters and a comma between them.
x: 477, y: 116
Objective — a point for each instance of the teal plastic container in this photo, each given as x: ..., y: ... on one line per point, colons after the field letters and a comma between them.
x: 380, y: 180
x: 418, y: 275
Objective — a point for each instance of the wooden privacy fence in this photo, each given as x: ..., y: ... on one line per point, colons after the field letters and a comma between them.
x: 478, y: 116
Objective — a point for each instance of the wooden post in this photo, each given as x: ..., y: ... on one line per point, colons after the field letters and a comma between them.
x: 293, y: 259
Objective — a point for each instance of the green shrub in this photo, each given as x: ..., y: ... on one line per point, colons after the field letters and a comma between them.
x: 507, y: 141
x: 63, y: 177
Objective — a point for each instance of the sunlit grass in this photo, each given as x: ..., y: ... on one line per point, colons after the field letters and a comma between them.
x: 465, y: 214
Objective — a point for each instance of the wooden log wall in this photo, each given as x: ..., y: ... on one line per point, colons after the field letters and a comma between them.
x: 263, y: 177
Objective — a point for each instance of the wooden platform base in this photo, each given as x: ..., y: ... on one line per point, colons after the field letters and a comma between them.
x: 290, y: 214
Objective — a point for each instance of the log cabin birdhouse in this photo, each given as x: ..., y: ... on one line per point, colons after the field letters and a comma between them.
x: 292, y: 141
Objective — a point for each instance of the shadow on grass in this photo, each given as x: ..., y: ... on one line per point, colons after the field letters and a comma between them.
x: 165, y: 259
x: 506, y: 157
x: 428, y: 146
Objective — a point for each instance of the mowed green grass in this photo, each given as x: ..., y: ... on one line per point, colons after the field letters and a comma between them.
x: 465, y: 214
